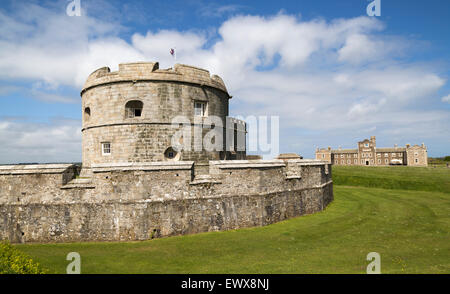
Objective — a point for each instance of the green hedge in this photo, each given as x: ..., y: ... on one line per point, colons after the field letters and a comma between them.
x: 13, y: 261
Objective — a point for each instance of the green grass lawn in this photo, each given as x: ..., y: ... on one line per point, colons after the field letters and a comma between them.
x: 394, y: 177
x: 406, y: 221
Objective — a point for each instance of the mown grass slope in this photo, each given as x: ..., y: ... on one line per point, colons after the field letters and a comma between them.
x: 408, y: 227
x: 394, y: 177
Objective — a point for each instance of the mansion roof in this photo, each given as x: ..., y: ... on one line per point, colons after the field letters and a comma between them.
x: 387, y: 149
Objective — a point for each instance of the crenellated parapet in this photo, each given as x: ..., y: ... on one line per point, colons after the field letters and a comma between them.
x: 149, y: 71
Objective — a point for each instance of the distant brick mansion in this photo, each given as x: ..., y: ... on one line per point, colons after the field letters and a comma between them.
x: 368, y: 153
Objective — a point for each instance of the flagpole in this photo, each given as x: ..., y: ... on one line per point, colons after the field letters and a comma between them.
x: 173, y: 52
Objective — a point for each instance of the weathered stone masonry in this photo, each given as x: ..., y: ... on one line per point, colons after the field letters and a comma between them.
x: 143, y: 201
x: 133, y: 187
x: 163, y: 94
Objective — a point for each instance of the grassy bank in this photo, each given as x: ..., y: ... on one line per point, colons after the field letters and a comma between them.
x: 408, y: 228
x: 394, y: 177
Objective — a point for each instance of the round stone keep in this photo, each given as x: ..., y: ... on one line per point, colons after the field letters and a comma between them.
x: 128, y: 114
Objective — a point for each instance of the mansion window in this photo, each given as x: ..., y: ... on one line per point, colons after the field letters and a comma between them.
x: 379, y: 160
x: 342, y: 161
x: 336, y: 161
x: 355, y: 155
x: 385, y: 155
x: 366, y: 145
x: 393, y: 154
x: 356, y: 161
x: 386, y: 161
x: 416, y: 160
x: 378, y: 154
x: 348, y: 161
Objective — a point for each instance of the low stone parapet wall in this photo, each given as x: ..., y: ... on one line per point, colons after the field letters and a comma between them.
x: 34, y: 183
x: 142, y: 201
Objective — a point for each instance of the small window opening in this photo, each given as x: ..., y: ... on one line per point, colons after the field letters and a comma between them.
x: 200, y: 109
x: 171, y: 154
x: 133, y: 109
x: 106, y: 148
x: 87, y: 112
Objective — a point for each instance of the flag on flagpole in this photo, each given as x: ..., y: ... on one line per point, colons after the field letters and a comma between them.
x: 173, y: 53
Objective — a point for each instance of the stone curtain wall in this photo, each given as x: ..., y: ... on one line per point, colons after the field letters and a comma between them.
x: 34, y: 183
x: 139, y: 202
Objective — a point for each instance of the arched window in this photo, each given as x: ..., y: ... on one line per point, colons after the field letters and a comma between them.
x: 133, y: 109
x: 87, y: 113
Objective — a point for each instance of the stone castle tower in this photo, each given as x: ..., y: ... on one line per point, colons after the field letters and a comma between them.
x: 136, y: 186
x: 128, y: 114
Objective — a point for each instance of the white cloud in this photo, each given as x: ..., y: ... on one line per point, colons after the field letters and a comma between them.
x: 31, y: 142
x: 51, y: 97
x: 446, y: 98
x: 359, y: 48
x: 215, y: 10
x: 38, y: 43
x: 365, y: 108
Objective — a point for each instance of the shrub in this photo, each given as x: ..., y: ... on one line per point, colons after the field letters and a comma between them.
x: 12, y: 261
x: 447, y: 158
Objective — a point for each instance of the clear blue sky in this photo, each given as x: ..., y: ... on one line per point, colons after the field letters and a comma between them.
x: 391, y: 73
